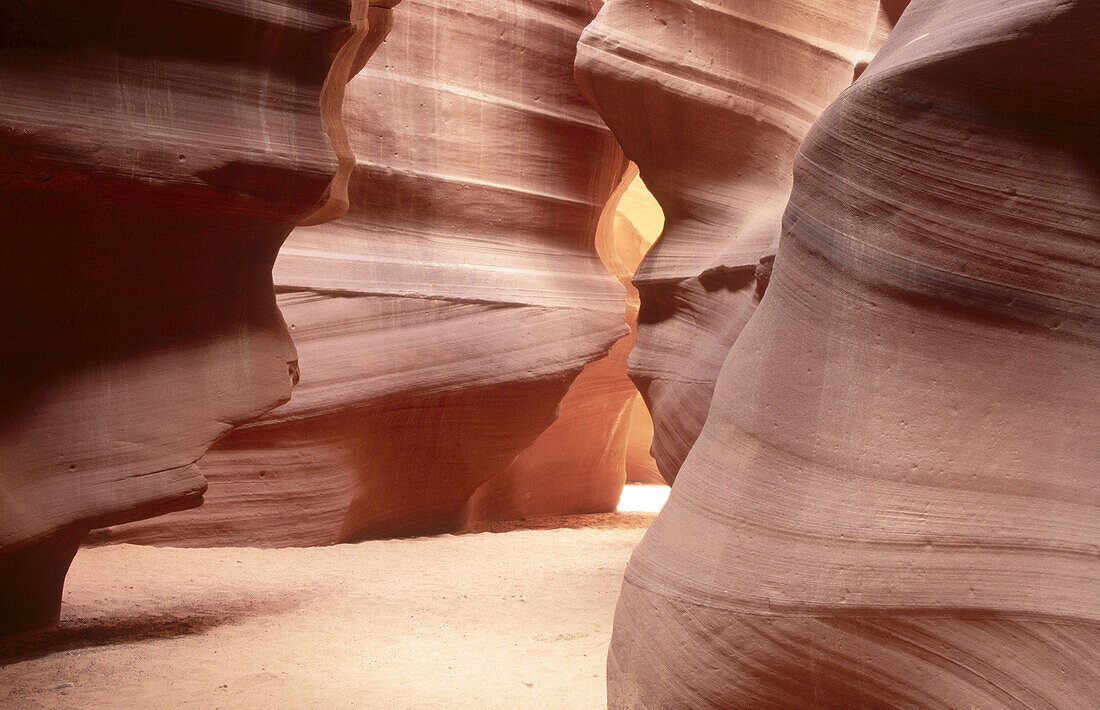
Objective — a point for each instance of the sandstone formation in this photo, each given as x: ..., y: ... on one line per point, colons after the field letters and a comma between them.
x: 461, y: 303
x: 894, y: 501
x: 153, y: 157
x: 711, y: 100
x: 603, y: 433
x: 638, y: 224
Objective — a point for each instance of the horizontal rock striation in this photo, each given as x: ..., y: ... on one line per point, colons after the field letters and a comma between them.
x: 153, y: 157
x: 461, y: 303
x: 894, y: 501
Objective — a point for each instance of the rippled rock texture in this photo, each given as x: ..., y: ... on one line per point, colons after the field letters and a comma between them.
x: 711, y: 100
x: 894, y: 500
x: 153, y: 157
x: 458, y: 332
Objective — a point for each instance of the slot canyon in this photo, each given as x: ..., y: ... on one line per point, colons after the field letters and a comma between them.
x: 353, y: 348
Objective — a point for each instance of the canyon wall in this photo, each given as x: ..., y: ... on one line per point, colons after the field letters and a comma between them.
x: 153, y: 157
x: 894, y: 500
x: 458, y: 333
x: 711, y: 100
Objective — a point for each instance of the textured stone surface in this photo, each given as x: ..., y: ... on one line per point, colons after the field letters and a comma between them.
x: 894, y: 501
x: 461, y: 302
x: 711, y: 100
x: 153, y: 157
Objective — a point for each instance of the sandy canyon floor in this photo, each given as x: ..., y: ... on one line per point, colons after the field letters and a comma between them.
x: 509, y: 618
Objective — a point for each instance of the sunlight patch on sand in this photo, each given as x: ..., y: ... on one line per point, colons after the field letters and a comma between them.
x: 643, y: 498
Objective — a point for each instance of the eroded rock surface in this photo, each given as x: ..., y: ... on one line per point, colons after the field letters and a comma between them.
x: 462, y: 301
x: 153, y: 157
x: 894, y: 501
x: 711, y: 100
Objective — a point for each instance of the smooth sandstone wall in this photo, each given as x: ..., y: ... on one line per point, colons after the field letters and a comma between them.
x: 893, y: 501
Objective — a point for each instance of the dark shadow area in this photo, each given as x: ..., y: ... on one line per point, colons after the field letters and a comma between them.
x: 137, y: 625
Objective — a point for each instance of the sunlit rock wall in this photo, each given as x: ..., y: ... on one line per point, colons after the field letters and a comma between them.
x: 455, y: 330
x: 153, y: 157
x: 894, y: 501
x: 603, y: 432
x: 638, y: 223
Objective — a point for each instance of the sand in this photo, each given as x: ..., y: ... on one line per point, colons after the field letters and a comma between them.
x: 518, y: 619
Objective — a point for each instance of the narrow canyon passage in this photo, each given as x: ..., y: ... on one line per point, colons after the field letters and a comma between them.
x: 349, y: 348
